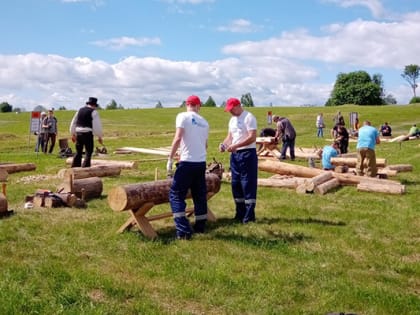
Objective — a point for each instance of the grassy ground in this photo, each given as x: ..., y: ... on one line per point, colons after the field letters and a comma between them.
x: 345, y: 251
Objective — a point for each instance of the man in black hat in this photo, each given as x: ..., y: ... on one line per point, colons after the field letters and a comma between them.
x: 84, y: 126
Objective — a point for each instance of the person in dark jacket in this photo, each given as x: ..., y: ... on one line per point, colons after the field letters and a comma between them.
x: 286, y: 132
x: 84, y: 126
x: 342, y: 138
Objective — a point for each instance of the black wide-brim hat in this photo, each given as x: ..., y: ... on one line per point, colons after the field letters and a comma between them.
x: 92, y: 101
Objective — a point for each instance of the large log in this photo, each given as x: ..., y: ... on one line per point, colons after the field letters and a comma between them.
x: 17, y: 167
x: 287, y: 182
x: 85, y: 188
x: 381, y: 188
x: 401, y: 167
x: 281, y: 168
x: 145, y: 150
x: 134, y: 196
x: 93, y: 171
x: 122, y: 164
x: 351, y: 161
x: 323, y: 188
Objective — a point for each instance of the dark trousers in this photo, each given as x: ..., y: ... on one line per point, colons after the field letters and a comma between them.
x: 244, y: 169
x: 83, y: 140
x: 288, y: 143
x: 189, y: 175
x: 49, y: 138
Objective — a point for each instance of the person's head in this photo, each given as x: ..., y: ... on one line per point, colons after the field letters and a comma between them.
x: 366, y: 123
x: 386, y: 123
x: 233, y: 106
x: 336, y: 145
x: 93, y: 102
x: 51, y: 112
x: 43, y: 114
x: 193, y: 103
x: 276, y: 118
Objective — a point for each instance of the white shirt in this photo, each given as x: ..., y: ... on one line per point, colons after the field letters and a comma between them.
x: 194, y: 139
x: 239, y: 126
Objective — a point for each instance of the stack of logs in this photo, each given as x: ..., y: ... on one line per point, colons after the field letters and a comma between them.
x: 313, y: 180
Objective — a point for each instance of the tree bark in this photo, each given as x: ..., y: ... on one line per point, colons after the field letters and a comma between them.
x: 134, y: 196
x: 401, y: 167
x: 287, y: 169
x: 17, y: 167
x: 351, y: 161
x: 324, y: 187
x: 85, y: 188
x: 93, y: 171
x: 381, y: 188
x: 287, y: 182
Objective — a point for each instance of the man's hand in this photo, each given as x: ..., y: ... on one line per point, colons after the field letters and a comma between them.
x: 169, y: 167
x: 73, y: 138
x: 232, y: 148
x: 101, y: 141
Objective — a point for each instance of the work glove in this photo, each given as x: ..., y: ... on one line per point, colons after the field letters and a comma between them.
x: 169, y: 165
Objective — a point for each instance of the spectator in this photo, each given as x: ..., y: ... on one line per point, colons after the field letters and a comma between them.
x: 368, y: 139
x: 320, y: 125
x: 191, y: 137
x: 414, y: 131
x: 386, y: 130
x: 84, y: 126
x: 241, y: 143
x: 342, y: 138
x: 40, y: 141
x: 286, y: 132
x: 49, y: 124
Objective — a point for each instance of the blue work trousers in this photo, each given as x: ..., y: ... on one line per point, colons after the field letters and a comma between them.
x: 189, y: 175
x: 288, y: 143
x: 244, y: 169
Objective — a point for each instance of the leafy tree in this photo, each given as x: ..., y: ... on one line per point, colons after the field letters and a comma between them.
x: 356, y: 88
x: 112, y: 105
x: 390, y: 99
x: 411, y: 74
x: 158, y: 105
x: 6, y: 107
x: 415, y: 100
x: 210, y: 102
x: 246, y: 100
x: 62, y: 108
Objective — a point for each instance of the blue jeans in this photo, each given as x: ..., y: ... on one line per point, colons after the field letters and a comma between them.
x: 288, y: 143
x: 189, y: 175
x: 244, y: 168
x: 320, y: 132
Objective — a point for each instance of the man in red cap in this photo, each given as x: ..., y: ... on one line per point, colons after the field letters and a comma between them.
x: 241, y: 143
x: 191, y: 137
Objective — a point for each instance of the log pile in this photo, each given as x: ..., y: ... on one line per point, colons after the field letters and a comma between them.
x: 319, y: 181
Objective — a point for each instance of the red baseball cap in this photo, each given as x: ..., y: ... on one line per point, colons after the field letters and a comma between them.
x: 193, y: 100
x: 231, y: 103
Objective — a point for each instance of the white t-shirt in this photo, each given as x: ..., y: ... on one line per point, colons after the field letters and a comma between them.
x: 194, y: 140
x: 239, y: 127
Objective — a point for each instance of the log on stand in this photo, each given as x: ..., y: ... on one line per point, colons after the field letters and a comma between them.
x: 140, y: 198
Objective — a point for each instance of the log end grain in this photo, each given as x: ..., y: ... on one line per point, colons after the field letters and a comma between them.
x: 117, y: 199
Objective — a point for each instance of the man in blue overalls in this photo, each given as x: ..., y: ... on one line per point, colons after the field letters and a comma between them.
x: 241, y: 142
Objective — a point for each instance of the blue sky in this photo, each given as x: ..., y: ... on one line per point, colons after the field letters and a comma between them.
x: 138, y: 52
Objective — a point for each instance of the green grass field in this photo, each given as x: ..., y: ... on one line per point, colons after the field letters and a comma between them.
x: 345, y: 251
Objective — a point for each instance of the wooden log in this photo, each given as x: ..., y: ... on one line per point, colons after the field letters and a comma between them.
x: 134, y: 196
x: 324, y: 187
x: 401, y: 167
x: 319, y: 179
x: 287, y: 182
x: 145, y: 150
x: 93, y: 171
x: 3, y: 203
x: 122, y: 164
x: 302, y: 171
x: 381, y: 188
x: 3, y: 175
x: 17, y: 167
x: 282, y: 168
x: 351, y: 161
x: 90, y: 187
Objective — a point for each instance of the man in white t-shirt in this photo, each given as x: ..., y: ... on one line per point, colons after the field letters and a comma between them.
x: 191, y: 137
x: 241, y: 142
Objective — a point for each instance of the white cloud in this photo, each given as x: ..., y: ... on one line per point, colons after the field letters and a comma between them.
x: 239, y: 26
x: 374, y: 6
x: 124, y: 42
